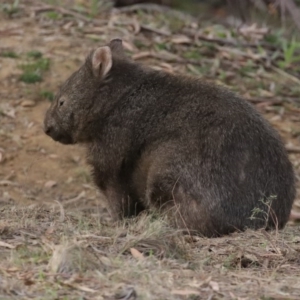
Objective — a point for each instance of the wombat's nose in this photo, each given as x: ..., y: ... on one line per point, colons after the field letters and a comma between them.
x: 48, y: 129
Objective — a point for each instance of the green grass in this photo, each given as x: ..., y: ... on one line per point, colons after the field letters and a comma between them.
x: 41, y: 64
x: 34, y: 68
x: 29, y: 77
x: 291, y: 53
x: 47, y: 95
x: 192, y: 54
x: 10, y: 54
x: 34, y: 54
x: 53, y: 15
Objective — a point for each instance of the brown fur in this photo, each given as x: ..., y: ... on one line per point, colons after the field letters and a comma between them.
x: 155, y: 140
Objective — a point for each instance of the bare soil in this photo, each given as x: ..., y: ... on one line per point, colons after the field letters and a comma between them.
x: 55, y: 237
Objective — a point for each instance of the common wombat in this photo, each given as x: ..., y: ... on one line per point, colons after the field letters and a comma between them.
x: 191, y: 149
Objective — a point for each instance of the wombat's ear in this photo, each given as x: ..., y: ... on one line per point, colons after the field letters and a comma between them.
x: 116, y: 47
x: 101, y: 61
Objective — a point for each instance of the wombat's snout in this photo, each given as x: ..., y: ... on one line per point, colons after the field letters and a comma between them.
x: 48, y: 129
x: 56, y: 133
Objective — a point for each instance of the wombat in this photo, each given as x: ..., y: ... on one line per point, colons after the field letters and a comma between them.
x: 189, y: 149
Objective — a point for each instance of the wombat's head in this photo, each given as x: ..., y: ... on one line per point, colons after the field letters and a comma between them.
x: 83, y: 94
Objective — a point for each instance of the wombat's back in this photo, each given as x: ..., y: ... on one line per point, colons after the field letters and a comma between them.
x: 224, y: 163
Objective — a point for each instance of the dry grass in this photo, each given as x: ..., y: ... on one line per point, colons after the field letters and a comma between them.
x: 45, y: 257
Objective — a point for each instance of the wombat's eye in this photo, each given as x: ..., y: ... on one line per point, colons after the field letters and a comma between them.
x: 61, y: 102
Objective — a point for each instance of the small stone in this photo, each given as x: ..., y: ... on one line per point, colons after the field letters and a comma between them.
x: 28, y: 103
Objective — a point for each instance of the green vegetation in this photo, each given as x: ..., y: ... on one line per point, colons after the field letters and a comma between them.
x: 47, y: 95
x: 34, y: 54
x: 192, y: 54
x: 34, y: 68
x: 28, y: 77
x: 10, y: 8
x: 10, y: 54
x: 291, y: 53
x: 53, y: 15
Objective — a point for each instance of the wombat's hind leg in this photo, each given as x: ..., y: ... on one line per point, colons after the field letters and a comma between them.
x: 182, y: 210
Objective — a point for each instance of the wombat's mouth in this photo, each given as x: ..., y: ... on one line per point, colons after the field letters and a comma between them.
x: 65, y: 139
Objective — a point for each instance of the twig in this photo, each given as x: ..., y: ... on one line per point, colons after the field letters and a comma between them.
x: 62, y: 211
x: 7, y: 182
x: 155, y: 30
x: 262, y: 100
x: 285, y: 74
x: 263, y: 231
x: 61, y: 10
x: 292, y: 149
x: 156, y: 8
x: 291, y: 7
x: 166, y: 58
x: 197, y: 35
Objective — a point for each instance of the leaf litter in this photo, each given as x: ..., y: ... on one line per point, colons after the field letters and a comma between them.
x: 57, y: 240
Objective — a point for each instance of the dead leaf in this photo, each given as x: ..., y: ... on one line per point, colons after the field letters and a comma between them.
x: 128, y: 46
x: 7, y: 183
x: 12, y: 269
x: 6, y: 245
x: 50, y: 230
x: 295, y: 216
x: 9, y: 113
x: 50, y: 184
x: 126, y: 293
x: 250, y: 257
x: 28, y: 103
x: 80, y: 287
x: 140, y: 55
x: 136, y: 26
x: 181, y: 39
x: 28, y: 281
x: 214, y: 285
x: 136, y: 254
x: 186, y: 292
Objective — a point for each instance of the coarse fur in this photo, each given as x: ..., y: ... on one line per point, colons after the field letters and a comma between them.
x: 193, y: 150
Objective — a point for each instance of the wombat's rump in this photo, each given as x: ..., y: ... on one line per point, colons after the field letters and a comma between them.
x: 190, y: 149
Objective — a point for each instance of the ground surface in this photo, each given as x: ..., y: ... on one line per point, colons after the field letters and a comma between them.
x: 55, y: 238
